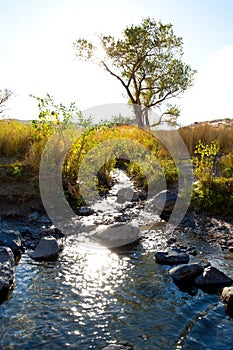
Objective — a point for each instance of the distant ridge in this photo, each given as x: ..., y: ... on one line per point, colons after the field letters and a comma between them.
x: 225, y: 122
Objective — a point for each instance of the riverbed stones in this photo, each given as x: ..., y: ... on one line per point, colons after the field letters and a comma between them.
x: 47, y: 249
x: 227, y: 298
x: 11, y: 239
x: 171, y: 258
x: 212, y: 277
x: 119, y: 346
x: 7, y: 266
x: 186, y: 272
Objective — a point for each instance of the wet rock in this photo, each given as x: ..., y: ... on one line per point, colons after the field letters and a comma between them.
x: 212, y: 277
x: 11, y: 239
x: 85, y: 211
x: 34, y: 216
x: 165, y: 199
x: 119, y: 346
x: 116, y: 235
x: 227, y: 298
x: 171, y: 258
x: 47, y: 249
x: 186, y: 272
x: 7, y: 264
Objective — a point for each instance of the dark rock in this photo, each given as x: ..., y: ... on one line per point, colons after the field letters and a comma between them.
x: 11, y: 239
x: 165, y: 199
x: 227, y: 298
x: 7, y: 264
x: 119, y: 346
x: 171, y: 240
x: 213, y: 277
x: 230, y: 242
x: 47, y: 249
x: 34, y: 216
x: 171, y: 258
x: 85, y: 211
x: 230, y: 249
x: 186, y: 272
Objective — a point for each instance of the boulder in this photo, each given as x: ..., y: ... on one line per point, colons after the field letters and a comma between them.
x: 119, y: 346
x: 47, y: 249
x: 126, y: 194
x: 11, y: 239
x: 171, y: 258
x: 212, y: 277
x: 7, y: 267
x: 186, y: 272
x: 165, y: 199
x: 116, y: 235
x: 227, y: 298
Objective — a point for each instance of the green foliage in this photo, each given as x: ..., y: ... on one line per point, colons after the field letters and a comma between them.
x: 205, y: 161
x: 226, y: 165
x: 216, y: 197
x: 147, y: 61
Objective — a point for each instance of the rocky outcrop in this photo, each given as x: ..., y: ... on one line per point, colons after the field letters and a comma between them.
x: 119, y: 346
x: 47, y: 249
x: 171, y: 258
x: 212, y: 278
x: 7, y: 267
x: 227, y: 298
x: 186, y: 272
x: 11, y: 239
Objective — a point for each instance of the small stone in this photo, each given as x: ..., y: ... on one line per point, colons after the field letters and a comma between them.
x: 171, y: 258
x: 227, y: 298
x: 186, y: 272
x: 230, y: 249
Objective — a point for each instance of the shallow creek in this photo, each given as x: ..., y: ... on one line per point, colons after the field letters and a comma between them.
x: 91, y: 297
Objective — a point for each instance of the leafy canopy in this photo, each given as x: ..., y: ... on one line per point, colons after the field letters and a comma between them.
x: 147, y: 61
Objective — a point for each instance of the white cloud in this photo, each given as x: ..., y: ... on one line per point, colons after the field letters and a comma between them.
x: 211, y: 96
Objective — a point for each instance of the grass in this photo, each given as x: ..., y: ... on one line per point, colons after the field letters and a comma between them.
x: 98, y: 149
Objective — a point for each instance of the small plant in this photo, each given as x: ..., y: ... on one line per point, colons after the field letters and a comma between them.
x: 205, y: 161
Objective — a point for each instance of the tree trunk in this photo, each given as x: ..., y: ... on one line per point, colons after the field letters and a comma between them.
x: 138, y: 115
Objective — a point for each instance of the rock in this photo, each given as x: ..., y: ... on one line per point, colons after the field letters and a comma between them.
x: 116, y: 235
x: 85, y: 211
x: 230, y: 249
x: 186, y: 272
x: 171, y: 258
x: 165, y: 199
x: 119, y: 346
x: 47, y: 249
x: 227, y: 298
x: 11, y: 239
x: 34, y: 216
x: 212, y: 277
x: 126, y: 194
x: 7, y: 266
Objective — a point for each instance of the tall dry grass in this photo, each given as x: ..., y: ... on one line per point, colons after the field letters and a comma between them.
x: 15, y: 138
x: 207, y: 133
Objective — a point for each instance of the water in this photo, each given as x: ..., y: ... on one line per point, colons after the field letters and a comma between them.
x: 92, y: 297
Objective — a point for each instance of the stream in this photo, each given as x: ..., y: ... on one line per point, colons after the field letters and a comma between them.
x: 90, y: 297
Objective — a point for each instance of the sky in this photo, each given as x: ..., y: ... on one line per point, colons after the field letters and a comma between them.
x: 37, y: 54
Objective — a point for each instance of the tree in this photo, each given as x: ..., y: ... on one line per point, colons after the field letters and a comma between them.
x: 147, y: 61
x: 4, y: 97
